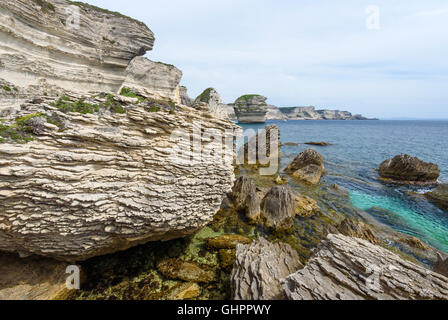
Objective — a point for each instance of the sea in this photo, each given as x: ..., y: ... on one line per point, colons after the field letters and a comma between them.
x: 356, y: 151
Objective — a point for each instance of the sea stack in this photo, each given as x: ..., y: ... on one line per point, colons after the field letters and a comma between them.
x: 251, y: 109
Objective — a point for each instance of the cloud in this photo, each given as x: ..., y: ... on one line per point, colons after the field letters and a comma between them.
x: 306, y: 52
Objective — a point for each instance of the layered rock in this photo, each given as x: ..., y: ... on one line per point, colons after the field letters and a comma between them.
x: 347, y: 268
x: 245, y: 198
x: 310, y: 113
x: 101, y: 175
x: 184, y: 97
x: 153, y: 79
x: 441, y: 266
x: 210, y: 100
x: 439, y: 196
x: 281, y: 205
x: 42, y: 46
x: 358, y: 229
x: 260, y: 267
x: 251, y: 109
x: 307, y: 166
x: 409, y: 170
x: 274, y: 113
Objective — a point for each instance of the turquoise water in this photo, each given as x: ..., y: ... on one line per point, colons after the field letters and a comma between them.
x: 358, y: 149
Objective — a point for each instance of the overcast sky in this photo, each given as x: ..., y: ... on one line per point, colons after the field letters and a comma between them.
x: 306, y: 52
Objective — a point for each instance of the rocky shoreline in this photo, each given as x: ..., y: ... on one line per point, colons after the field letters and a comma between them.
x: 108, y: 166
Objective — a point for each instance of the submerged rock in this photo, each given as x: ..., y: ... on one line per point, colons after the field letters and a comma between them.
x: 307, y: 166
x: 320, y: 144
x: 439, y: 196
x: 251, y: 109
x: 347, y: 268
x: 259, y: 268
x: 227, y: 241
x: 185, y: 291
x: 180, y: 270
x: 409, y: 170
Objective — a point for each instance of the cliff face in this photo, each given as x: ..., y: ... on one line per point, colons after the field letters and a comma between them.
x: 211, y: 100
x: 310, y: 113
x: 251, y: 109
x: 40, y: 47
x: 86, y: 173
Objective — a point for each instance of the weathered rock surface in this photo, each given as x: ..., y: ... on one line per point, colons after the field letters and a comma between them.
x: 310, y: 113
x: 186, y: 291
x: 92, y: 184
x: 245, y: 198
x: 409, y: 170
x: 347, y: 268
x: 358, y: 229
x: 153, y: 79
x: 210, y: 100
x: 274, y: 113
x: 31, y: 278
x: 184, y: 97
x: 251, y: 109
x: 307, y: 166
x: 441, y: 265
x: 41, y: 46
x: 439, y: 196
x: 281, y: 205
x: 260, y: 267
x: 227, y: 241
x: 186, y: 271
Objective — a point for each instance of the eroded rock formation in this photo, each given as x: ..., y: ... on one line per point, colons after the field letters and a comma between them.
x: 84, y: 171
x: 409, y: 170
x: 439, y: 196
x: 347, y: 268
x: 43, y: 45
x: 307, y: 166
x: 210, y: 100
x: 310, y: 113
x: 251, y: 109
x: 260, y: 267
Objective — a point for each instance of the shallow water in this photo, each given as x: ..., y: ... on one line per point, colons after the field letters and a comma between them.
x: 358, y: 148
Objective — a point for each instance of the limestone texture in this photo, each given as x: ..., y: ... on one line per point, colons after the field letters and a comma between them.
x: 409, y: 170
x: 346, y: 268
x: 307, y: 167
x: 210, y: 100
x: 251, y: 109
x: 259, y: 269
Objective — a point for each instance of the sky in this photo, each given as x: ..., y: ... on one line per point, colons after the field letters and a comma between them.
x: 379, y: 58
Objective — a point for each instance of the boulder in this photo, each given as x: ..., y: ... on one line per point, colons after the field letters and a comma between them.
x: 409, y: 170
x: 345, y: 268
x: 439, y: 196
x: 251, y: 108
x: 441, y: 266
x: 358, y: 229
x: 227, y: 241
x: 176, y: 269
x: 185, y: 291
x: 307, y: 166
x: 281, y: 205
x: 90, y: 187
x: 245, y: 198
x: 260, y: 267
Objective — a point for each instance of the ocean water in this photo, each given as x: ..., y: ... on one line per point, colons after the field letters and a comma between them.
x: 357, y: 150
